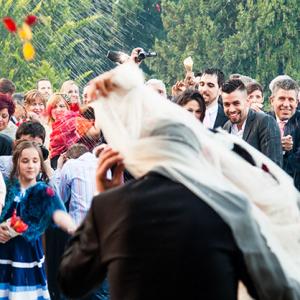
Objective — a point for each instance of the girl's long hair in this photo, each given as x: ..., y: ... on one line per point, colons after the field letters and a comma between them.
x: 18, y: 149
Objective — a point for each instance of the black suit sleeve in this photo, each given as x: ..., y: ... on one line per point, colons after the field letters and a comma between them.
x: 6, y: 144
x: 81, y: 269
x: 221, y: 117
x: 292, y: 157
x: 270, y: 140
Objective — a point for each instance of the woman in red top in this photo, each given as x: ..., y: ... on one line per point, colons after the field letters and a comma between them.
x: 68, y: 127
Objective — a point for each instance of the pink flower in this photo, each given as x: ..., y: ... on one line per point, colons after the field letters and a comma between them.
x: 157, y: 7
x: 50, y: 192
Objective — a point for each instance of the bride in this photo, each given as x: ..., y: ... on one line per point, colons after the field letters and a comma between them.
x: 253, y: 195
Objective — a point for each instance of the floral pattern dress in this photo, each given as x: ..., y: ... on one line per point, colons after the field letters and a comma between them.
x: 22, y: 273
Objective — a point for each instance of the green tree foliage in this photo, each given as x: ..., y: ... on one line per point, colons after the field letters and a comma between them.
x: 266, y: 39
x: 96, y: 38
x: 252, y: 37
x: 189, y: 28
x: 56, y: 38
x: 191, y: 31
x: 136, y: 24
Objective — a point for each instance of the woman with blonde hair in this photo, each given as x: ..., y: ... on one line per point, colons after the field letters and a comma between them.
x: 35, y: 106
x: 68, y: 127
x: 71, y: 90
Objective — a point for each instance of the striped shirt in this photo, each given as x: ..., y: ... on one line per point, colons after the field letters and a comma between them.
x: 76, y: 182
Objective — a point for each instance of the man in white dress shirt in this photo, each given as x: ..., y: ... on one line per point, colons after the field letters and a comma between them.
x: 210, y: 85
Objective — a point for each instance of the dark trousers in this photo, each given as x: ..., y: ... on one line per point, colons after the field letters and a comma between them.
x: 102, y: 293
x: 56, y: 241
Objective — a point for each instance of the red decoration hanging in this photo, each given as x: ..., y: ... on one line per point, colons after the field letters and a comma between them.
x: 24, y: 33
x: 30, y: 20
x: 10, y: 24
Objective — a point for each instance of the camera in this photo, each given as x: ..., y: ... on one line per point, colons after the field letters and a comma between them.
x: 121, y: 57
x: 143, y: 54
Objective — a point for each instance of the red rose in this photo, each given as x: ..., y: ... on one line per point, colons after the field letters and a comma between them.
x: 13, y: 218
x: 20, y: 226
x: 17, y: 223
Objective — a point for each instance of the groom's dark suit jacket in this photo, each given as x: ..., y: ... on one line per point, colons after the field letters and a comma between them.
x: 156, y: 240
x: 262, y: 132
x: 221, y: 118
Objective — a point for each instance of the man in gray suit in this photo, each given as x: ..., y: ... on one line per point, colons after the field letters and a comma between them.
x: 256, y: 128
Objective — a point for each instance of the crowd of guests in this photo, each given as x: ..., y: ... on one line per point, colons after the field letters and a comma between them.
x: 59, y: 128
x: 237, y: 106
x: 50, y: 137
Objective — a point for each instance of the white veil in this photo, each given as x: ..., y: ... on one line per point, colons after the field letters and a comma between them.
x: 260, y: 205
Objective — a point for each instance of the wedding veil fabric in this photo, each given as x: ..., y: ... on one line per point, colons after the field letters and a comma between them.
x: 259, y: 203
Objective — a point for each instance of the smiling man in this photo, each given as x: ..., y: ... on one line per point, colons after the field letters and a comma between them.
x: 284, y: 102
x: 256, y: 128
x: 44, y: 86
